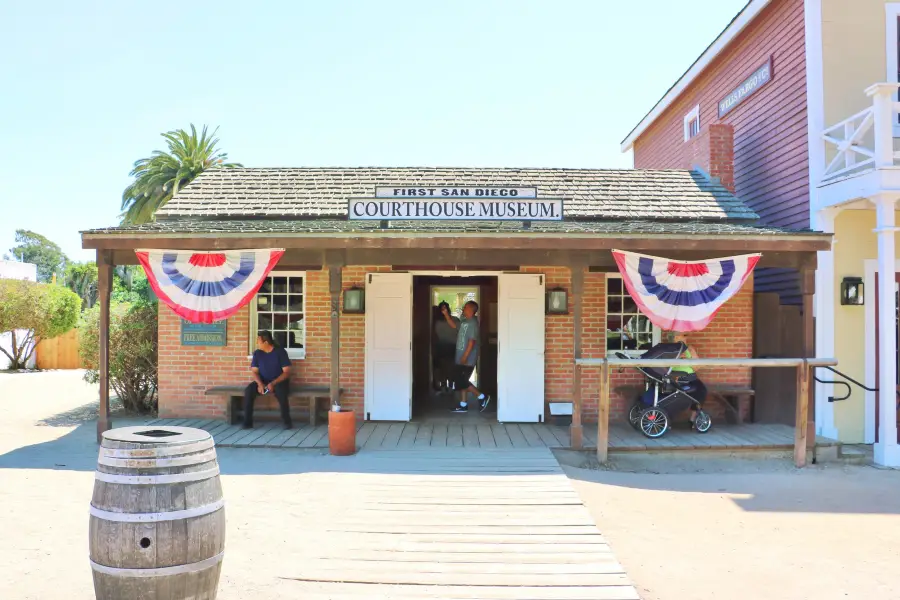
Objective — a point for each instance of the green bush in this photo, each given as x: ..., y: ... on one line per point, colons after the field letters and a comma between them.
x: 44, y: 310
x: 133, y: 339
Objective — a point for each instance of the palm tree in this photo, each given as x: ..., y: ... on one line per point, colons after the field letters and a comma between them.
x: 160, y: 176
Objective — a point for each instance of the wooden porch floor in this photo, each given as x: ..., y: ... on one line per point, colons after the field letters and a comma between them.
x: 443, y: 434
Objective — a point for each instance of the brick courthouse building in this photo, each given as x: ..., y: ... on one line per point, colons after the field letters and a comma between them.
x: 358, y: 229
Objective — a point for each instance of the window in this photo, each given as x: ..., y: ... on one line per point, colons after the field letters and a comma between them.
x: 627, y: 330
x: 279, y: 307
x: 692, y: 123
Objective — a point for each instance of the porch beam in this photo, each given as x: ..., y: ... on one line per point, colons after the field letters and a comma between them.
x: 576, y: 431
x: 603, y: 414
x: 599, y: 261
x: 807, y: 291
x: 438, y: 241
x: 104, y: 290
x: 335, y: 287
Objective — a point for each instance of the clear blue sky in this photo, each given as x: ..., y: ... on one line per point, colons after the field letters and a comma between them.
x: 87, y: 87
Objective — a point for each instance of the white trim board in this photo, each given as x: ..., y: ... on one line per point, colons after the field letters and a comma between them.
x: 693, y: 114
x: 892, y: 13
x: 815, y: 100
x: 871, y: 268
x: 737, y: 25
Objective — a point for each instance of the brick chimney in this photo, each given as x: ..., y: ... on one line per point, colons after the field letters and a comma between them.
x: 712, y: 151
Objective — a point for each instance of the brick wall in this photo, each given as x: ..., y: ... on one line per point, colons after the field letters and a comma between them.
x: 729, y: 335
x: 186, y: 371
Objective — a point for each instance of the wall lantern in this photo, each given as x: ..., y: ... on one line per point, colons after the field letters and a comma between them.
x: 354, y: 301
x: 852, y: 291
x: 557, y: 302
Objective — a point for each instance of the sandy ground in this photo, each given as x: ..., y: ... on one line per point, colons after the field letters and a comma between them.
x: 749, y: 529
x: 683, y: 529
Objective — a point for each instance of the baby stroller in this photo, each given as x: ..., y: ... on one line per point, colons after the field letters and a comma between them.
x: 666, y: 393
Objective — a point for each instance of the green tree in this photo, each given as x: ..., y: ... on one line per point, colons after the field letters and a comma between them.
x: 160, y: 176
x: 133, y: 352
x: 43, y: 310
x: 34, y: 248
x: 81, y: 278
x: 130, y: 285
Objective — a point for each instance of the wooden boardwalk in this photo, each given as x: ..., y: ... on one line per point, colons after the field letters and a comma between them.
x: 755, y: 436
x: 486, y: 435
x: 455, y: 523
x: 384, y: 436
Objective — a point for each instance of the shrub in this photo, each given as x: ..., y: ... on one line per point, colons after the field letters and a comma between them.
x: 43, y: 310
x: 133, y: 335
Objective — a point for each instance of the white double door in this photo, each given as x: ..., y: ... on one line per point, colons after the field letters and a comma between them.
x: 520, y: 360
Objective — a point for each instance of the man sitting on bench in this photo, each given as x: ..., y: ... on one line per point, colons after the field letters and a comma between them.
x: 271, y: 370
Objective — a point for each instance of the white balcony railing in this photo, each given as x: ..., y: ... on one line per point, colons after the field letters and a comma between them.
x: 864, y: 141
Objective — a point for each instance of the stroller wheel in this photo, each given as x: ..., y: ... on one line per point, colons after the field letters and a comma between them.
x: 703, y: 422
x: 654, y: 422
x: 634, y: 414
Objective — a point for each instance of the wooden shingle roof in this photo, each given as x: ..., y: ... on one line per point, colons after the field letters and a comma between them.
x: 587, y: 194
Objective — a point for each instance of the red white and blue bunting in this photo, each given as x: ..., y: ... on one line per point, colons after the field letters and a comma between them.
x: 204, y: 287
x: 682, y: 295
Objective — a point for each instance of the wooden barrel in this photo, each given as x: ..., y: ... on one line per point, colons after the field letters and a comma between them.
x: 157, y: 529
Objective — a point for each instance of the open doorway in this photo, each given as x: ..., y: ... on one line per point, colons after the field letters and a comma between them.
x: 429, y: 402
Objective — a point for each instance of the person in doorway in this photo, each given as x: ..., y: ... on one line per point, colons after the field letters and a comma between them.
x: 271, y: 368
x: 467, y: 336
x: 687, y: 374
x: 444, y: 348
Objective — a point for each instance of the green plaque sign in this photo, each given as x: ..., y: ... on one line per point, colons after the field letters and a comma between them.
x: 203, y: 334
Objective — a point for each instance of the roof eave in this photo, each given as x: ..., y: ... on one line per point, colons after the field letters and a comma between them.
x: 734, y: 28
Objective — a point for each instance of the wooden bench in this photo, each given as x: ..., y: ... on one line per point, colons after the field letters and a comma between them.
x: 235, y: 395
x: 734, y: 398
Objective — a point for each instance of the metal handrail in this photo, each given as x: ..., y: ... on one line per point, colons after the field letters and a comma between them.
x: 850, y: 379
x: 843, y: 383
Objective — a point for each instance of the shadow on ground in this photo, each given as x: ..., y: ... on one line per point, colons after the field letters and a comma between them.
x: 757, y: 484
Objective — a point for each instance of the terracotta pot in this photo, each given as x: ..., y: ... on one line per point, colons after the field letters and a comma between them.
x: 342, y: 433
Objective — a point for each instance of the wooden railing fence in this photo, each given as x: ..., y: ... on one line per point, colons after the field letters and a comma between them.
x: 803, y: 366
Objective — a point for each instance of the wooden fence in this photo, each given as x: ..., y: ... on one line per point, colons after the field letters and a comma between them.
x: 59, y: 352
x: 802, y: 366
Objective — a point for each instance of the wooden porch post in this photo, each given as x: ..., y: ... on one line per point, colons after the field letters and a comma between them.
x: 104, y: 288
x: 805, y: 423
x: 576, y: 431
x: 334, y: 285
x: 801, y: 428
x: 603, y: 415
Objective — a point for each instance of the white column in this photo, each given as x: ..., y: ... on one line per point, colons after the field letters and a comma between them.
x: 882, y: 95
x: 887, y: 452
x: 823, y: 220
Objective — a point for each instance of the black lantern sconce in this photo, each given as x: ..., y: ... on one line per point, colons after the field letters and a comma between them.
x: 852, y: 291
x: 557, y: 302
x: 354, y: 301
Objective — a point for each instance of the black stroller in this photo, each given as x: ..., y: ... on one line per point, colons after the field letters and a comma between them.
x: 666, y: 393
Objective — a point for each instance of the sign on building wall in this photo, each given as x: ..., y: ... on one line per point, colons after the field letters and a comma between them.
x: 747, y: 88
x: 456, y: 203
x: 203, y: 334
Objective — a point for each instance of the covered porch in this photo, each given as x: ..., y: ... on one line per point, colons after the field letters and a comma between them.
x: 856, y: 165
x: 579, y: 251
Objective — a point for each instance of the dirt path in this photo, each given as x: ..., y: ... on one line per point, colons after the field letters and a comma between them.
x: 749, y: 529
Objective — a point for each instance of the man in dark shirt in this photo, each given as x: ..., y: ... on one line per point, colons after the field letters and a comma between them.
x: 271, y: 370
